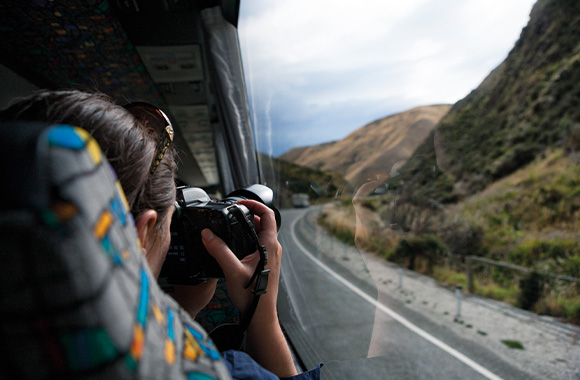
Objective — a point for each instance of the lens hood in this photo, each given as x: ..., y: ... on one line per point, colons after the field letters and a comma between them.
x: 260, y: 193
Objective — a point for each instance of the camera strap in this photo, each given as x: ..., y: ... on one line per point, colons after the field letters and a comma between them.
x: 260, y: 274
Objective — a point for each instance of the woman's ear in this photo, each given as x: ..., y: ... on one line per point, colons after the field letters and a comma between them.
x: 146, y: 229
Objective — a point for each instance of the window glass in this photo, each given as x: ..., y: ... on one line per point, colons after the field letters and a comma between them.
x: 425, y: 158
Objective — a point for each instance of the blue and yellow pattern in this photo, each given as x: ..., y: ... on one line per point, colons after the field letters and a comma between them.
x: 95, y: 262
x: 138, y: 343
x: 170, y: 340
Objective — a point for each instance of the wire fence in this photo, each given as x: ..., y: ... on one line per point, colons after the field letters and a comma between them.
x: 470, y: 260
x: 523, y: 285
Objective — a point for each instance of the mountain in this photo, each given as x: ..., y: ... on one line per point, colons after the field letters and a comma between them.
x: 526, y: 106
x: 374, y: 148
x: 300, y: 179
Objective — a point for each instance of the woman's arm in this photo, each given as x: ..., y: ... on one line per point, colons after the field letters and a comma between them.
x: 265, y: 341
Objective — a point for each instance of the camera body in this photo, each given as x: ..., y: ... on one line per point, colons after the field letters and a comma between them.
x: 187, y: 261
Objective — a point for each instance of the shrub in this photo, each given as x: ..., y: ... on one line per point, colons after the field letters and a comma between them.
x: 574, y: 140
x: 572, y: 266
x: 572, y: 309
x: 464, y: 239
x: 560, y: 306
x: 534, y: 251
x: 530, y: 290
x: 496, y: 292
x: 502, y: 276
x: 449, y: 276
x: 346, y: 202
x: 426, y: 247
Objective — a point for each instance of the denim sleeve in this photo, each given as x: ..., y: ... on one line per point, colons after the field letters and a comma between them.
x: 313, y: 374
x: 243, y: 367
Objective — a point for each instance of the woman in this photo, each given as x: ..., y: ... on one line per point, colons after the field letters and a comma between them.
x: 143, y: 158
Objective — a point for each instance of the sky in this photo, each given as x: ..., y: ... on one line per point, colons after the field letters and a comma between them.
x: 317, y: 70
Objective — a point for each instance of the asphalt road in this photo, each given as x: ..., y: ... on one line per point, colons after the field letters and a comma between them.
x: 340, y: 307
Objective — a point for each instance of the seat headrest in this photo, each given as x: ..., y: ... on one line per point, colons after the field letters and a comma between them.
x: 77, y: 297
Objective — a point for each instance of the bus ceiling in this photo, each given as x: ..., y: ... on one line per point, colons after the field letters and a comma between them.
x: 168, y: 53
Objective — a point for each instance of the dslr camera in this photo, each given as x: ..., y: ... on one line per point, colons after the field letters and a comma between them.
x: 187, y: 261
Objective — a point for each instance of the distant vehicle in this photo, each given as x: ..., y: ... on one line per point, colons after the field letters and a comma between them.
x: 300, y: 200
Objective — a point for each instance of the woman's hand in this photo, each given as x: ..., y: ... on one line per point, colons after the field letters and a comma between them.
x: 265, y: 341
x: 239, y: 272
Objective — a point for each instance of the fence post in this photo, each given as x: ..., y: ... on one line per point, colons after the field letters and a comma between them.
x: 468, y: 263
x: 400, y: 272
x: 458, y: 295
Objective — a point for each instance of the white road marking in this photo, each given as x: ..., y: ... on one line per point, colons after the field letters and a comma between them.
x: 399, y: 318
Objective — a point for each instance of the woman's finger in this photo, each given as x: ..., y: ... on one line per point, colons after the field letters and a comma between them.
x: 265, y: 213
x: 220, y: 251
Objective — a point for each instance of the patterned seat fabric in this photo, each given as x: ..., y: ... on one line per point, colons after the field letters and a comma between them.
x: 77, y: 298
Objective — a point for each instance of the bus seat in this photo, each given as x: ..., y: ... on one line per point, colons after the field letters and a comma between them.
x: 77, y: 298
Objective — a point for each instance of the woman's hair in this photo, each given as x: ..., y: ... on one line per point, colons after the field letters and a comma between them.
x: 123, y: 140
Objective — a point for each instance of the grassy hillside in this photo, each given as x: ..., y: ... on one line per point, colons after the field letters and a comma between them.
x: 288, y: 178
x: 374, y: 148
x: 530, y: 103
x: 530, y: 218
x: 498, y: 178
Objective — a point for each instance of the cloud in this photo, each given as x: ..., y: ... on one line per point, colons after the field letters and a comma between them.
x: 321, y: 69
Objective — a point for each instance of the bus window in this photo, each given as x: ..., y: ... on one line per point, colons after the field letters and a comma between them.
x: 423, y: 154
x: 436, y: 143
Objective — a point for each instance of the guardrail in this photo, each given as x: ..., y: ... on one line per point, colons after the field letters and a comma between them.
x: 469, y: 264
